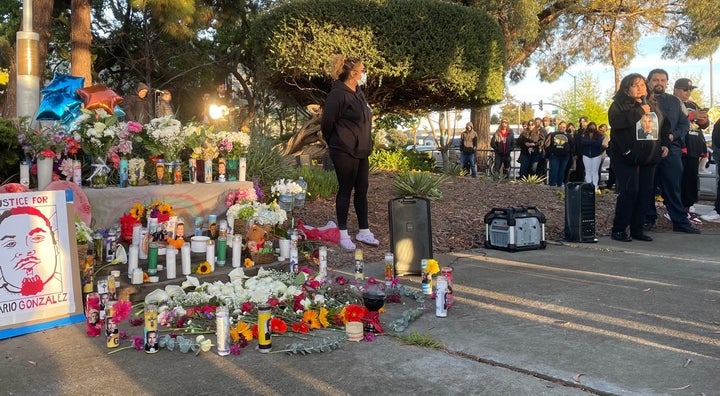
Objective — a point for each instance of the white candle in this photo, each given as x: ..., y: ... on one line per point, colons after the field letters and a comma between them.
x: 137, y: 278
x: 137, y: 234
x: 236, y: 251
x: 144, y: 244
x: 242, y: 166
x: 25, y: 173
x: 132, y: 259
x: 210, y: 254
x: 185, y: 257
x: 171, y: 262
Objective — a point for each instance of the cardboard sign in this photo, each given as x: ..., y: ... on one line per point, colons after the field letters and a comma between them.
x: 39, y: 272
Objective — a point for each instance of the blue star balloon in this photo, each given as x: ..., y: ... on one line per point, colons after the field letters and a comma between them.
x: 65, y: 84
x: 119, y: 112
x: 56, y: 106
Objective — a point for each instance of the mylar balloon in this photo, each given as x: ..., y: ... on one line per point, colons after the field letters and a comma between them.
x: 119, y: 112
x: 99, y: 97
x: 56, y: 106
x: 64, y: 83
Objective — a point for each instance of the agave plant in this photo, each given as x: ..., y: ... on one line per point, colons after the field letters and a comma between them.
x: 533, y: 179
x: 419, y: 184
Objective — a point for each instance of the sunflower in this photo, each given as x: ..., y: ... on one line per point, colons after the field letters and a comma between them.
x: 137, y: 211
x: 241, y: 329
x: 323, y: 317
x: 204, y: 268
x: 310, y: 318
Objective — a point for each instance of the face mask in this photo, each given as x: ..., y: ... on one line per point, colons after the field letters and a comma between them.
x: 363, y: 79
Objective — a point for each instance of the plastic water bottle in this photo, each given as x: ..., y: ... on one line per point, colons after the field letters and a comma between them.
x: 300, y: 197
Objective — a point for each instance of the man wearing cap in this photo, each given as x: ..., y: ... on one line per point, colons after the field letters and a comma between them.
x: 137, y: 106
x: 695, y: 146
x: 670, y: 169
x: 164, y: 107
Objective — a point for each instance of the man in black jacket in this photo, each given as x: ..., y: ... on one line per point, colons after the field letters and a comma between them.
x: 137, y: 106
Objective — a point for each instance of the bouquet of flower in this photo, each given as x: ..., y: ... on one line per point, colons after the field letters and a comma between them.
x: 232, y: 144
x: 98, y: 131
x: 195, y: 135
x: 242, y: 211
x: 157, y: 209
x: 83, y: 233
x: 270, y: 214
x: 48, y: 142
x: 126, y: 136
x: 166, y: 137
x: 283, y: 186
x: 241, y: 196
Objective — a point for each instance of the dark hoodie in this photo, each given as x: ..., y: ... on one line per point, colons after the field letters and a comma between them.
x: 623, y: 117
x: 136, y: 108
x: 347, y: 121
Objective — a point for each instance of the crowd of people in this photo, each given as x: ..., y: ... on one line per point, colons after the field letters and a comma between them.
x: 656, y: 146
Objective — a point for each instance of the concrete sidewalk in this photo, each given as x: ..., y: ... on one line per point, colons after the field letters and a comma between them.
x: 619, y: 318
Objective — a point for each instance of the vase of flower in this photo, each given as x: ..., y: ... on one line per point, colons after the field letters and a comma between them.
x: 177, y: 172
x: 232, y: 168
x: 169, y: 172
x: 99, y: 178
x: 286, y: 201
x: 44, y: 171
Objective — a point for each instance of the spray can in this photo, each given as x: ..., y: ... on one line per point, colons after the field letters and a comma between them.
x: 359, y: 264
x: 264, y: 336
x: 222, y: 321
x: 389, y: 268
x: 440, y: 293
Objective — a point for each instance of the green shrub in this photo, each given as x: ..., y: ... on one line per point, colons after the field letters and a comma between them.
x: 421, y: 161
x: 390, y: 160
x: 10, y: 158
x: 419, y: 184
x: 321, y: 183
x: 456, y: 170
x: 264, y: 162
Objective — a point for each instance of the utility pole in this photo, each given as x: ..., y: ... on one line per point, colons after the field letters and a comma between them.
x: 574, y: 89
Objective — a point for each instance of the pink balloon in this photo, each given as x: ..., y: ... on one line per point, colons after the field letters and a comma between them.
x: 82, y: 204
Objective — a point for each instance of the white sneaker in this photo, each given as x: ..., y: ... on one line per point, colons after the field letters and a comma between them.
x: 713, y: 216
x: 694, y: 219
x: 667, y: 216
x: 692, y: 209
x: 347, y: 243
x: 367, y: 238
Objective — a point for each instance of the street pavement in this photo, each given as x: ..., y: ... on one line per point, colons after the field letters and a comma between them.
x: 606, y: 318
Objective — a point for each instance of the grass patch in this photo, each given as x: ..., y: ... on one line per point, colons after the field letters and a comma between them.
x: 423, y: 340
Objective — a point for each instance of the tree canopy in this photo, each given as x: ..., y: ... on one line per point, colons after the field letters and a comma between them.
x: 420, y: 55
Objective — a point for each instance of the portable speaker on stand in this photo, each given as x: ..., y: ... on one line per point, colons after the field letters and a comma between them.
x: 580, y: 212
x: 410, y: 233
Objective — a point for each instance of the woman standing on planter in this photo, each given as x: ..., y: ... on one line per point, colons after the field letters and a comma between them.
x: 346, y: 123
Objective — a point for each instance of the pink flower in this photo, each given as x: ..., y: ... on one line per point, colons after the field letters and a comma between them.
x: 138, y: 342
x: 134, y: 127
x: 340, y: 280
x: 246, y: 306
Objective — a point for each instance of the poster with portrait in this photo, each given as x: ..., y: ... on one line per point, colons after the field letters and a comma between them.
x: 39, y: 283
x: 647, y: 127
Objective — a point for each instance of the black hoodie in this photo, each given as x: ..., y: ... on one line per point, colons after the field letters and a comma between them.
x: 347, y: 121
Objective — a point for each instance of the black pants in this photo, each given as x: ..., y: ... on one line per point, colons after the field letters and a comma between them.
x: 352, y: 173
x: 501, y: 160
x: 690, y: 183
x: 635, y: 193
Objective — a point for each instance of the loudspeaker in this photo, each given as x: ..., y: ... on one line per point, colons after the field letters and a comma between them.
x: 580, y: 212
x: 410, y: 233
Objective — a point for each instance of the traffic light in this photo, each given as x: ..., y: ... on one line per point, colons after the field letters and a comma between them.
x: 524, y: 106
x: 540, y: 104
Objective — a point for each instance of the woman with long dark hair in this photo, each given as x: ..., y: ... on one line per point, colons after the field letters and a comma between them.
x: 634, y: 157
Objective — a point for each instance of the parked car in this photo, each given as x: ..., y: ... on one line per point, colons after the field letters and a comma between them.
x: 708, y: 178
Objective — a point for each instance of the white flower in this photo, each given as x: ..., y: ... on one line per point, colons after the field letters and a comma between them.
x: 237, y: 273
x: 156, y: 297
x: 190, y: 282
x: 319, y: 299
x: 204, y: 344
x: 174, y: 291
x: 283, y: 186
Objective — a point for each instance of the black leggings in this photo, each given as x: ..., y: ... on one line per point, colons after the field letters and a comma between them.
x: 352, y: 173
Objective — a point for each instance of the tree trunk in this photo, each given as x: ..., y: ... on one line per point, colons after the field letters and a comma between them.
x: 81, y: 39
x: 480, y: 118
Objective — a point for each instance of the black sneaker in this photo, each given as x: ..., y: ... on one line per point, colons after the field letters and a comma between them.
x: 621, y: 236
x: 687, y: 228
x: 648, y: 226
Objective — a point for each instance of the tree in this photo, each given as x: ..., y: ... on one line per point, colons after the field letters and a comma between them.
x: 699, y: 34
x: 411, y: 69
x: 81, y: 39
x: 584, y: 101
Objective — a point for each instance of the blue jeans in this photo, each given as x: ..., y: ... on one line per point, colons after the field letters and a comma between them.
x: 528, y: 164
x: 468, y: 160
x: 557, y: 169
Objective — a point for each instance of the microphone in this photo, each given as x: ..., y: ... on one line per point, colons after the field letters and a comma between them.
x: 644, y: 100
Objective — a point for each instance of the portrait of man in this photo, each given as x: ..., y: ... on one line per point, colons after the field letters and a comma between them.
x: 93, y: 316
x: 30, y: 251
x: 151, y: 341
x: 647, y: 127
x: 179, y: 230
